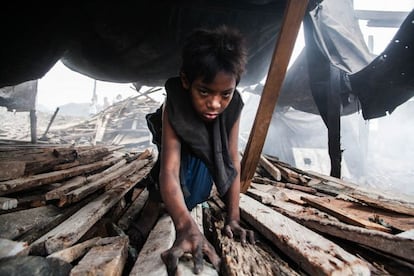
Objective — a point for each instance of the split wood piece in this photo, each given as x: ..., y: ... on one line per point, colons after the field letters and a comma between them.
x: 71, y: 230
x: 275, y: 201
x: 11, y: 169
x: 289, y: 175
x: 106, y: 259
x: 73, y: 253
x: 133, y: 210
x: 9, y: 248
x: 79, y: 181
x: 7, y: 203
x: 343, y: 215
x: 272, y: 170
x: 110, y: 179
x: 305, y: 189
x: 385, y: 204
x: 242, y: 260
x: 15, y: 224
x: 293, y: 196
x: 160, y: 239
x: 19, y: 184
x: 315, y: 254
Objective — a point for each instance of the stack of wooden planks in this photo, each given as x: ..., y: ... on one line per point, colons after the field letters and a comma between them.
x: 62, y: 201
x: 72, y: 207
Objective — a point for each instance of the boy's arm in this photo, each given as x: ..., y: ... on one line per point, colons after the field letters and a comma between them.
x: 233, y: 194
x: 189, y: 239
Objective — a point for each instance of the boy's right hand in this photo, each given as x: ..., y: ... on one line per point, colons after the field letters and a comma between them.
x: 190, y: 240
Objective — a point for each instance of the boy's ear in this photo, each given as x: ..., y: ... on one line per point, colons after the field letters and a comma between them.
x: 184, y: 81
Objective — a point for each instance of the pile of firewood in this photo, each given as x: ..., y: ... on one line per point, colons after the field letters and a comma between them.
x: 70, y: 209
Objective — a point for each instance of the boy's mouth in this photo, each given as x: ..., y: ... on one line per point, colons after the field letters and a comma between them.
x: 210, y: 116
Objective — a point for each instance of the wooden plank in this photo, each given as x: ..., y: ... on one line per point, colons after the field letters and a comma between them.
x: 315, y: 254
x: 133, y: 210
x: 305, y: 189
x: 344, y: 215
x: 160, y: 239
x: 19, y: 184
x: 293, y: 196
x: 295, y: 10
x: 272, y: 170
x: 112, y: 178
x: 106, y: 259
x: 71, y: 230
x: 275, y: 201
x: 9, y: 248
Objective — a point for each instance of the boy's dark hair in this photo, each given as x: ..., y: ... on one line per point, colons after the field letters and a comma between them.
x: 209, y: 51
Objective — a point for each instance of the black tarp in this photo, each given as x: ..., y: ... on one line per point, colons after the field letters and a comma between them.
x: 126, y: 41
x: 139, y: 41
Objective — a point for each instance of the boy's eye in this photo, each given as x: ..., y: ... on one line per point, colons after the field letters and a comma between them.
x: 203, y: 92
x: 227, y: 94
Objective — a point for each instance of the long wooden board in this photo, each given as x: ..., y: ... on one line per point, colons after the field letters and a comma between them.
x: 293, y: 16
x: 315, y: 254
x: 161, y: 238
x: 19, y: 184
x: 106, y: 259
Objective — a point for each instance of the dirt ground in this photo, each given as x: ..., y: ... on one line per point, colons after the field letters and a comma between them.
x: 16, y: 126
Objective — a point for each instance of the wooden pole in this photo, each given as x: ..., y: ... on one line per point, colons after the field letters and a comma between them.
x: 294, y: 13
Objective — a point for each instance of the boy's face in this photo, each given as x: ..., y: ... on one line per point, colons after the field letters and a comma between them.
x: 211, y: 99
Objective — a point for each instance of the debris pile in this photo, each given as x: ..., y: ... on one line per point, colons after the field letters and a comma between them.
x: 122, y: 123
x: 73, y: 207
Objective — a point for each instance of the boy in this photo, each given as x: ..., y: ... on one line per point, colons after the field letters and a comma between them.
x: 199, y: 141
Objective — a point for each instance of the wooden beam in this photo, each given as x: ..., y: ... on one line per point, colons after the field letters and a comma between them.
x: 315, y: 254
x: 293, y: 16
x: 106, y: 259
x: 161, y: 238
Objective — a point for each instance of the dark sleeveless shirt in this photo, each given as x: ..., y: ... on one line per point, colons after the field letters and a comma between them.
x: 206, y: 141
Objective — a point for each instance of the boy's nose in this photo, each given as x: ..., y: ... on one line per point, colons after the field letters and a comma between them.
x: 215, y: 103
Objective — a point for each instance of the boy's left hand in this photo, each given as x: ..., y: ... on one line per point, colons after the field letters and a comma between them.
x: 233, y: 228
